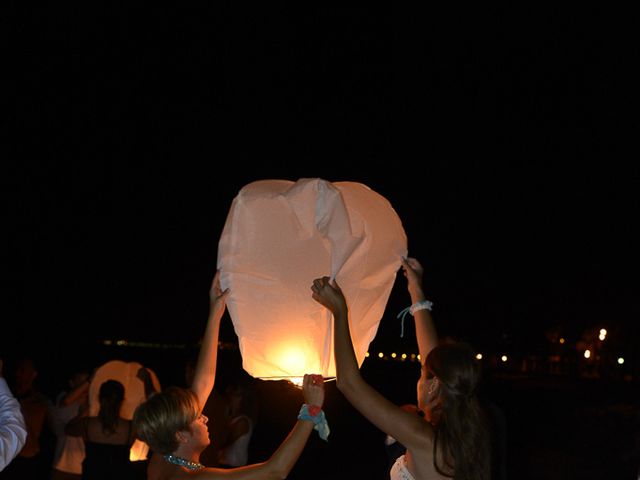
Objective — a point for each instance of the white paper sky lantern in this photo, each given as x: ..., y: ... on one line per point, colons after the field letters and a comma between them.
x: 278, y: 237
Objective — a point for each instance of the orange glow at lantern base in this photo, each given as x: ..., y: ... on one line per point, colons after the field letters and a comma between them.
x: 293, y: 363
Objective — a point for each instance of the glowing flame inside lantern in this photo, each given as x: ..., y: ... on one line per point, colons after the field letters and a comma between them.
x: 291, y: 358
x: 284, y: 357
x: 279, y: 236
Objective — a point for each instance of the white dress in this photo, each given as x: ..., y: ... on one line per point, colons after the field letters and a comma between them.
x: 69, y: 452
x: 13, y: 431
x: 399, y: 470
x: 237, y: 454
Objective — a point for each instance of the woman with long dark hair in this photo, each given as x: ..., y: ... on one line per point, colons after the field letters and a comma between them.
x: 447, y: 436
x: 107, y: 436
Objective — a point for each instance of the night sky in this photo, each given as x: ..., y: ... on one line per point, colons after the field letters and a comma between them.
x: 499, y: 133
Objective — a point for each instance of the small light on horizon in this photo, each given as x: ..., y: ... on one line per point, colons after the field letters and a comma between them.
x: 380, y: 355
x: 404, y: 356
x: 587, y: 354
x: 561, y: 340
x: 603, y: 333
x: 366, y: 355
x: 504, y: 358
x: 393, y: 355
x: 479, y: 356
x: 620, y: 360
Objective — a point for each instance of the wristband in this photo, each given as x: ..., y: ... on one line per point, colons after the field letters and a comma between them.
x: 315, y: 415
x: 423, y: 305
x: 416, y: 307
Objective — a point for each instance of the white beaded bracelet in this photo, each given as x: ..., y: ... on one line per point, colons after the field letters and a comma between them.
x: 422, y: 305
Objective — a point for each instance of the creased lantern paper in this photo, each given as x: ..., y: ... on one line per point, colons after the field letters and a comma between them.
x: 278, y: 237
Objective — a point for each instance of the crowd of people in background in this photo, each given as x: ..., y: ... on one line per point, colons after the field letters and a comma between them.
x: 60, y: 438
x: 447, y: 433
x: 52, y: 436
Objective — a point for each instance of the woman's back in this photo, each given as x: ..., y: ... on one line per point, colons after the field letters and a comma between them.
x: 107, y: 452
x: 121, y: 434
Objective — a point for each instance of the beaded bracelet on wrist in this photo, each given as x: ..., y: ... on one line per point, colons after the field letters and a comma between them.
x: 416, y: 307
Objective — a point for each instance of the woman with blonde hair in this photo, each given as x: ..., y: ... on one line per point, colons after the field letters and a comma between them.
x: 172, y: 424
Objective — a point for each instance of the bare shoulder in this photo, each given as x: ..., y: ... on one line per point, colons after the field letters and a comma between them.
x: 420, y: 456
x: 158, y: 469
x: 421, y: 431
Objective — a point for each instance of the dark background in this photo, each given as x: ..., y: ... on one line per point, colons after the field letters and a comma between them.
x: 501, y: 134
x: 497, y: 132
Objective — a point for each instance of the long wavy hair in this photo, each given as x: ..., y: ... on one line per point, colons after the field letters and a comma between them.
x: 111, y: 396
x: 462, y: 441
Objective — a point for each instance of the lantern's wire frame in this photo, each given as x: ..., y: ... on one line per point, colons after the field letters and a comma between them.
x: 297, y: 381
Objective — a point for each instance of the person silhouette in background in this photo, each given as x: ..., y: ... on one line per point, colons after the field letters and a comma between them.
x: 107, y: 436
x: 13, y: 430
x: 69, y: 451
x: 447, y: 435
x: 172, y: 424
x: 242, y: 414
x: 30, y: 462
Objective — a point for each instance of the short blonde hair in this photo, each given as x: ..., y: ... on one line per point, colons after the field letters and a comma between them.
x: 158, y: 419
